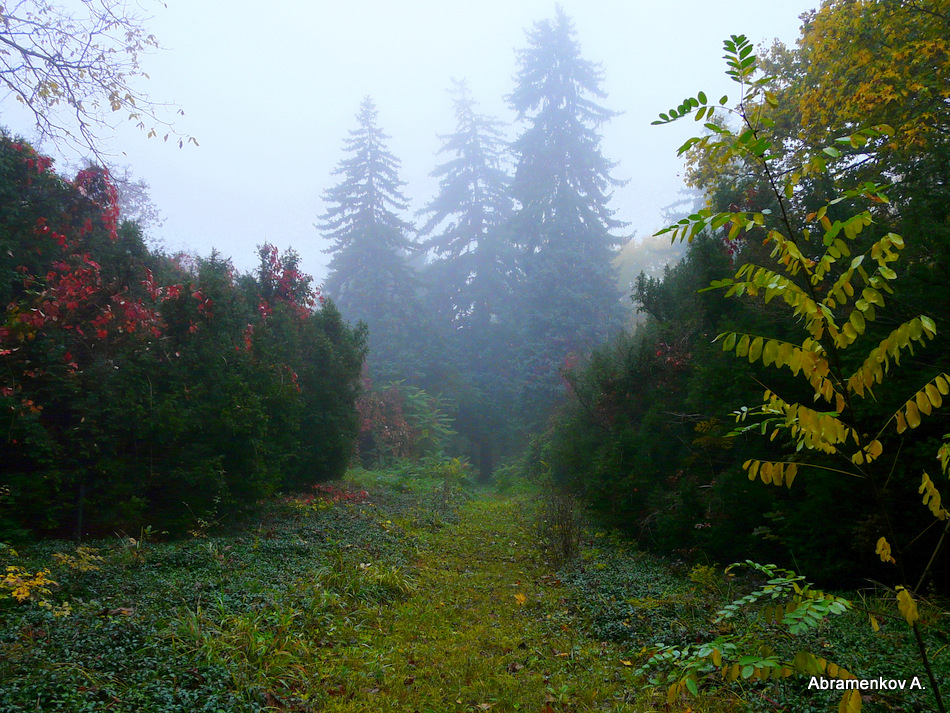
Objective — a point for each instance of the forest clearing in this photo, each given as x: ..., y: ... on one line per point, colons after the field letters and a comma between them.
x: 398, y: 591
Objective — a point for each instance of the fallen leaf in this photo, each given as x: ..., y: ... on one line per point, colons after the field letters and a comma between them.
x: 626, y: 663
x: 521, y: 599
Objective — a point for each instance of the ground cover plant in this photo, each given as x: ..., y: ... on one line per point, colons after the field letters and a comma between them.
x: 226, y: 621
x: 405, y: 589
x: 665, y: 612
x: 390, y: 591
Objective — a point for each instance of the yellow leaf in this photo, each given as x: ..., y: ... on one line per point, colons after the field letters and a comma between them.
x: 867, y: 454
x: 933, y: 394
x: 932, y: 497
x: 795, y: 361
x: 784, y: 355
x: 790, y: 472
x: 626, y: 663
x: 907, y: 605
x: 873, y: 296
x: 913, y: 416
x: 850, y: 702
x: 755, y: 350
x: 754, y: 469
x: 875, y: 624
x: 883, y: 550
x: 923, y: 403
x: 942, y: 385
x: 671, y: 694
x: 742, y: 349
x: 857, y: 319
x: 521, y: 599
x: 901, y: 423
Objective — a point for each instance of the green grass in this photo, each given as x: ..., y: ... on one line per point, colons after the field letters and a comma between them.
x: 641, y: 601
x: 424, y: 595
x: 420, y: 598
x: 489, y: 627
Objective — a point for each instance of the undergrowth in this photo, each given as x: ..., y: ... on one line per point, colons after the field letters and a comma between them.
x: 395, y: 590
x: 665, y: 614
x: 399, y: 590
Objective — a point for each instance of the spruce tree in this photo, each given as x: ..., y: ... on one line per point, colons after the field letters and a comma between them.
x: 370, y: 278
x: 469, y: 277
x: 466, y: 230
x: 569, y: 300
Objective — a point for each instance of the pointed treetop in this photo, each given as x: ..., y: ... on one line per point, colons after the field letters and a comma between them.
x: 473, y: 183
x: 561, y: 176
x: 552, y: 74
x: 371, y: 190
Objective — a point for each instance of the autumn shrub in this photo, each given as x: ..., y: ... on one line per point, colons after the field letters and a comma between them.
x: 832, y: 272
x: 559, y: 527
x: 399, y: 421
x: 142, y: 389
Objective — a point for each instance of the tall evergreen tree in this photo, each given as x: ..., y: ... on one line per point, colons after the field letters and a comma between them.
x: 370, y: 278
x: 569, y: 301
x: 467, y: 220
x: 471, y: 273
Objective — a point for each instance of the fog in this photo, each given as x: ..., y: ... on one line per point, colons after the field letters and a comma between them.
x: 270, y: 94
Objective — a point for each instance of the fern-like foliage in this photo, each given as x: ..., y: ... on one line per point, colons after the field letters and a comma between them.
x: 784, y: 603
x: 834, y: 282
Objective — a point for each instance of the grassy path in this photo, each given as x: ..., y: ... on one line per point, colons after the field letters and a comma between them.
x: 487, y: 629
x: 386, y: 599
x: 307, y: 609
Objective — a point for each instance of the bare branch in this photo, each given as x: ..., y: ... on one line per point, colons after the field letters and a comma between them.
x: 77, y: 73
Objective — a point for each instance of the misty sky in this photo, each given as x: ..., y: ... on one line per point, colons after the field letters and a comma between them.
x: 271, y: 93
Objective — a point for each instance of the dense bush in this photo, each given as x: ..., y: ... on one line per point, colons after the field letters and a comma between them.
x: 646, y: 438
x: 649, y: 437
x: 142, y: 389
